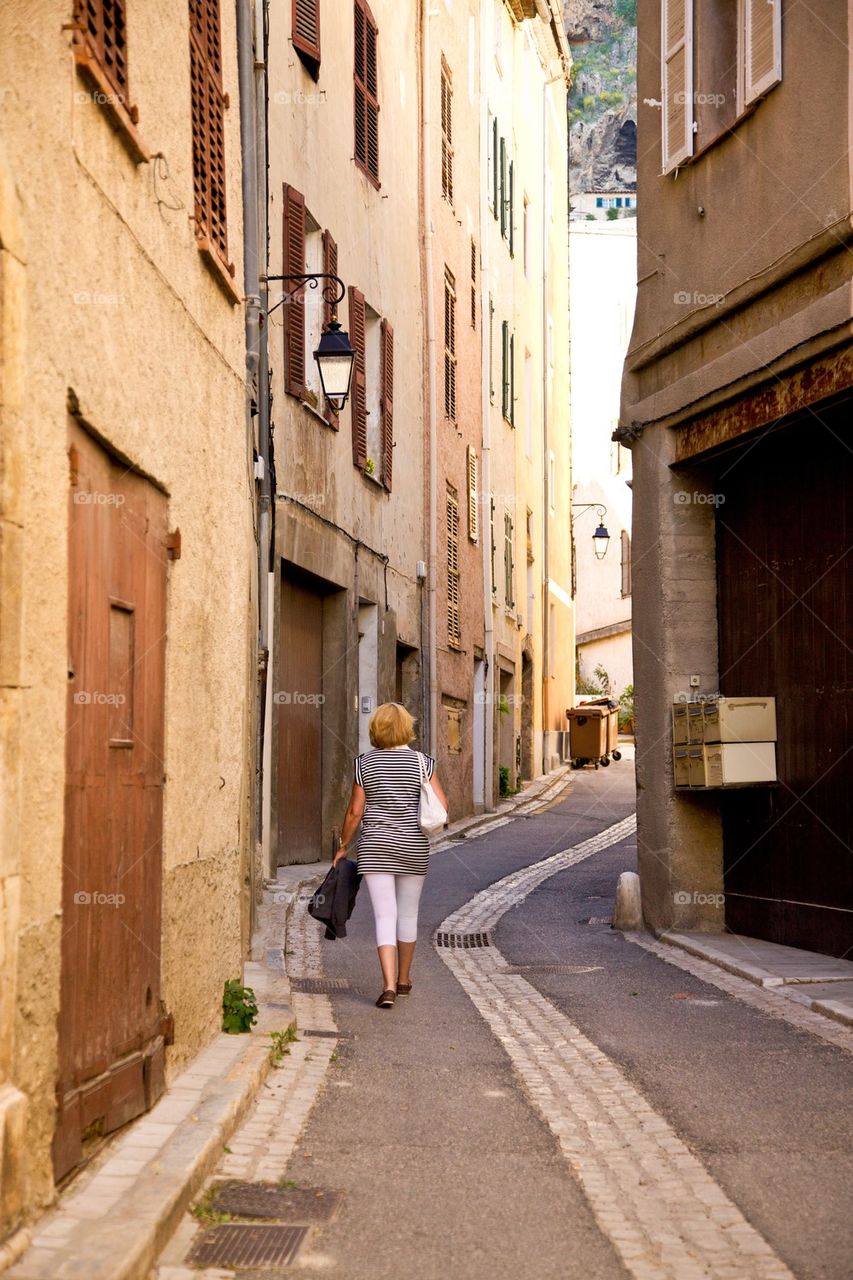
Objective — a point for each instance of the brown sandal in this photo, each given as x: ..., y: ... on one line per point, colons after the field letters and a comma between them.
x: 404, y: 988
x: 386, y: 1000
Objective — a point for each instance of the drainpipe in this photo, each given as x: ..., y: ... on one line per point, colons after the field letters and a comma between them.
x: 252, y: 134
x: 486, y: 470
x: 432, y: 730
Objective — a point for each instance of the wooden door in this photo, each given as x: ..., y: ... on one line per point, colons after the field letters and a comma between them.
x: 300, y: 724
x: 111, y: 1053
x: 784, y: 534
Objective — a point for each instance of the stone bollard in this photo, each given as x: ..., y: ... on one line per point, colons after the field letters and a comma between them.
x: 628, y: 909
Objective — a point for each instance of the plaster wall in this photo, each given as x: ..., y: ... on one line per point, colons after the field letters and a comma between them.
x: 109, y: 308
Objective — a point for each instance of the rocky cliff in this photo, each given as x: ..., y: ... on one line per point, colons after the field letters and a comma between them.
x: 603, y: 99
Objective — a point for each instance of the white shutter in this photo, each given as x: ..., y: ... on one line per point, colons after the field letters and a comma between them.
x: 762, y: 47
x: 676, y: 82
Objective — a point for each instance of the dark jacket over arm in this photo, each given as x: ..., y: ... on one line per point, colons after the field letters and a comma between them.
x: 333, y: 902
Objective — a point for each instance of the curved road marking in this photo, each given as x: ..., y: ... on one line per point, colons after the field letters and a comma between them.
x: 663, y: 1212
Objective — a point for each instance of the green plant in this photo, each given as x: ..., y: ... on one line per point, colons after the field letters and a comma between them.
x: 370, y: 467
x: 504, y: 776
x: 612, y: 215
x: 239, y: 1007
x: 626, y: 708
x: 281, y: 1042
x: 205, y: 1211
x: 627, y: 11
x: 588, y: 103
x: 503, y: 705
x: 603, y: 679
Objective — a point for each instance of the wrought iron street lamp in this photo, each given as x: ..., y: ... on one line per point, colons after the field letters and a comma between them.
x: 334, y: 355
x: 601, y: 537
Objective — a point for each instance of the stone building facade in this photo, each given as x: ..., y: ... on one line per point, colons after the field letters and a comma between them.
x: 126, y: 588
x: 736, y: 404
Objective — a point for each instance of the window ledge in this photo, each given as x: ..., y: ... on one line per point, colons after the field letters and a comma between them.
x: 315, y: 413
x: 220, y: 272
x: 122, y: 118
x: 374, y: 479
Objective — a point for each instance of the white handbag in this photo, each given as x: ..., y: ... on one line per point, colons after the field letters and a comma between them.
x: 432, y: 814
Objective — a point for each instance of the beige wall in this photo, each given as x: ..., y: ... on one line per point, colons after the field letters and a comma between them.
x: 377, y: 234
x: 519, y: 60
x: 105, y: 296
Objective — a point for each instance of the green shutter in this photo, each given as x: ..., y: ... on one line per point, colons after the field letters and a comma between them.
x: 503, y: 186
x: 511, y: 212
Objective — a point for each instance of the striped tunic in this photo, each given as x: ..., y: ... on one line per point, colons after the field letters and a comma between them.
x: 391, y: 839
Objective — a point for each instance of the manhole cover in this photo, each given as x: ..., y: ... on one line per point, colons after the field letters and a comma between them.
x: 595, y: 920
x: 235, y: 1244
x: 318, y: 986
x: 462, y: 939
x: 269, y: 1200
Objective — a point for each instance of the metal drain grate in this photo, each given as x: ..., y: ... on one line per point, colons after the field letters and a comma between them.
x: 293, y: 1205
x: 466, y: 940
x: 318, y: 986
x: 235, y: 1244
x: 596, y: 920
x: 329, y: 1035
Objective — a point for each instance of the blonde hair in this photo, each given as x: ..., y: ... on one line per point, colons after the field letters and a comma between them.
x: 391, y: 726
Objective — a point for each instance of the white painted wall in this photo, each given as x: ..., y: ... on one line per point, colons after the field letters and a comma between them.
x: 602, y: 273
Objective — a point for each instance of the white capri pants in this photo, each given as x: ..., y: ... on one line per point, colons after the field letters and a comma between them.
x: 395, y: 901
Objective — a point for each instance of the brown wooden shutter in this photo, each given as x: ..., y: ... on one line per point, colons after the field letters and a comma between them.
x: 101, y: 35
x: 293, y: 260
x: 208, y: 127
x: 386, y: 401
x: 366, y: 91
x: 473, y: 509
x: 449, y: 345
x: 330, y: 266
x: 676, y: 82
x: 358, y: 399
x: 446, y: 133
x: 306, y: 29
x: 762, y: 48
x: 454, y: 630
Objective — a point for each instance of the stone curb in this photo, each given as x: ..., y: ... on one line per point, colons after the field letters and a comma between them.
x: 837, y: 1010
x: 118, y: 1216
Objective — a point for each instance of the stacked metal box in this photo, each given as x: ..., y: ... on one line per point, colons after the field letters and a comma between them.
x: 724, y: 742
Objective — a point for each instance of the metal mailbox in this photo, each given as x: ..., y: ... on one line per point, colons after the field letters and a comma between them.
x: 740, y: 720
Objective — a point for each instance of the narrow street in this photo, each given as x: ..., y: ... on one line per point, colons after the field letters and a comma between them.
x: 563, y: 1102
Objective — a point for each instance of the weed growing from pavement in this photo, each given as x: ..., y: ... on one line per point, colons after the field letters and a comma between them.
x: 239, y: 1007
x: 205, y: 1211
x: 281, y: 1042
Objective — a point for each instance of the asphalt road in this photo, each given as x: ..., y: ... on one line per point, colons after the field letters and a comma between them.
x: 447, y: 1169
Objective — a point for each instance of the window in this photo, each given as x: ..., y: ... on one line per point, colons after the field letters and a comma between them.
x: 473, y: 284
x: 509, y: 563
x: 626, y: 562
x: 446, y: 133
x: 314, y: 312
x: 508, y: 373
x: 306, y: 34
x: 454, y: 632
x: 503, y: 185
x: 372, y: 374
x: 100, y: 50
x: 208, y: 130
x: 449, y: 346
x: 495, y: 184
x: 372, y: 395
x: 366, y: 92
x: 473, y: 510
x: 717, y: 60
x: 491, y: 350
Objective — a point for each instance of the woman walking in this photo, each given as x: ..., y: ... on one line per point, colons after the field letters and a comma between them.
x: 393, y: 851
